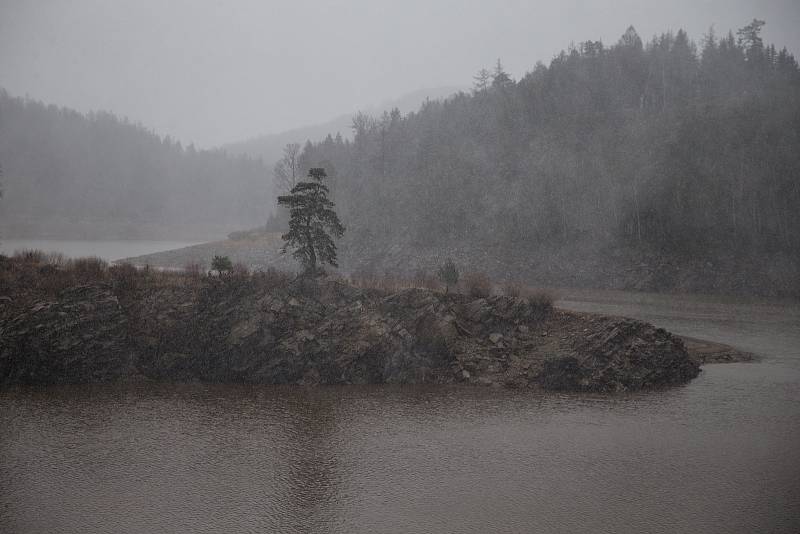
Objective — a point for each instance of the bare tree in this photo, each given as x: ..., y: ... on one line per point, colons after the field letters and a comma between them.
x: 287, y: 169
x: 481, y: 80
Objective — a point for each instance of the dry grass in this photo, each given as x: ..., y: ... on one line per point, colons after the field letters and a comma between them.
x: 32, y: 275
x: 29, y: 256
x: 391, y: 283
x: 272, y: 278
x: 426, y: 280
x: 511, y: 289
x: 477, y: 285
x: 240, y: 270
x: 88, y: 270
x: 124, y: 277
x: 193, y: 270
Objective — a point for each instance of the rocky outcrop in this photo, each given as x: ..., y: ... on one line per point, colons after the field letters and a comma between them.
x: 79, y: 338
x: 623, y: 355
x: 238, y: 329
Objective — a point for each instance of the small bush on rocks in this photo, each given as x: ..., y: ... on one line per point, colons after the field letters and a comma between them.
x: 222, y: 264
x: 541, y: 300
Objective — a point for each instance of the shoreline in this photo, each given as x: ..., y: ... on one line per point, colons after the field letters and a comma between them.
x: 707, y: 352
x: 86, y: 322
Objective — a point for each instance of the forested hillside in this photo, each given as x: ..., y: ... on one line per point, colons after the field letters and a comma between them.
x: 671, y: 147
x: 71, y: 175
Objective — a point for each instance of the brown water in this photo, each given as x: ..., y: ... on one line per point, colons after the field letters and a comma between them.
x: 721, y: 454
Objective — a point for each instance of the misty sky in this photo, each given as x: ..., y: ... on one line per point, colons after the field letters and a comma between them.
x: 214, y: 72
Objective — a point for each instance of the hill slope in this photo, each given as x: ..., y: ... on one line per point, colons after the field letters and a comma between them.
x: 69, y: 175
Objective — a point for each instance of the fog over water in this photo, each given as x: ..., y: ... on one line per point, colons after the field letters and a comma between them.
x: 215, y: 72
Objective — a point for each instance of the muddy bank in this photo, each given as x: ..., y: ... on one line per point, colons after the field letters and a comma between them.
x: 704, y: 352
x: 257, y: 330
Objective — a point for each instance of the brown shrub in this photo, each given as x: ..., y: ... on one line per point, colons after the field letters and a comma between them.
x: 52, y: 279
x: 124, y: 277
x: 29, y: 256
x: 89, y: 269
x: 477, y: 284
x: 27, y: 275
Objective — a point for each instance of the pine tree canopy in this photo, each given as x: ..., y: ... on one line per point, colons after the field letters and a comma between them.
x: 312, y: 223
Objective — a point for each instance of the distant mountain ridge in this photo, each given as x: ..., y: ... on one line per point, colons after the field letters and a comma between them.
x: 269, y: 147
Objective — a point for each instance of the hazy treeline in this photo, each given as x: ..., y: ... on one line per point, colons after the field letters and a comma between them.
x: 270, y: 147
x: 67, y: 174
x: 673, y: 144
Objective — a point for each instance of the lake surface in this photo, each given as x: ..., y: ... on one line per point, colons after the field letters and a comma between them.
x: 721, y: 454
x: 107, y: 250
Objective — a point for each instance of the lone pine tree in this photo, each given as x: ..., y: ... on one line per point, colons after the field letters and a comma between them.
x: 312, y: 223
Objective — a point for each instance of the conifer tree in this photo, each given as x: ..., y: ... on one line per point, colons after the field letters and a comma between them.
x: 501, y: 77
x: 312, y: 223
x: 481, y: 80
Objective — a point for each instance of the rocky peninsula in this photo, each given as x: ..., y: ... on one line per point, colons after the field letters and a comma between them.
x: 92, y: 323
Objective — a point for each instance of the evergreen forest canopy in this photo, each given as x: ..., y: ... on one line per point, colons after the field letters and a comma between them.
x: 72, y: 175
x: 690, y: 148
